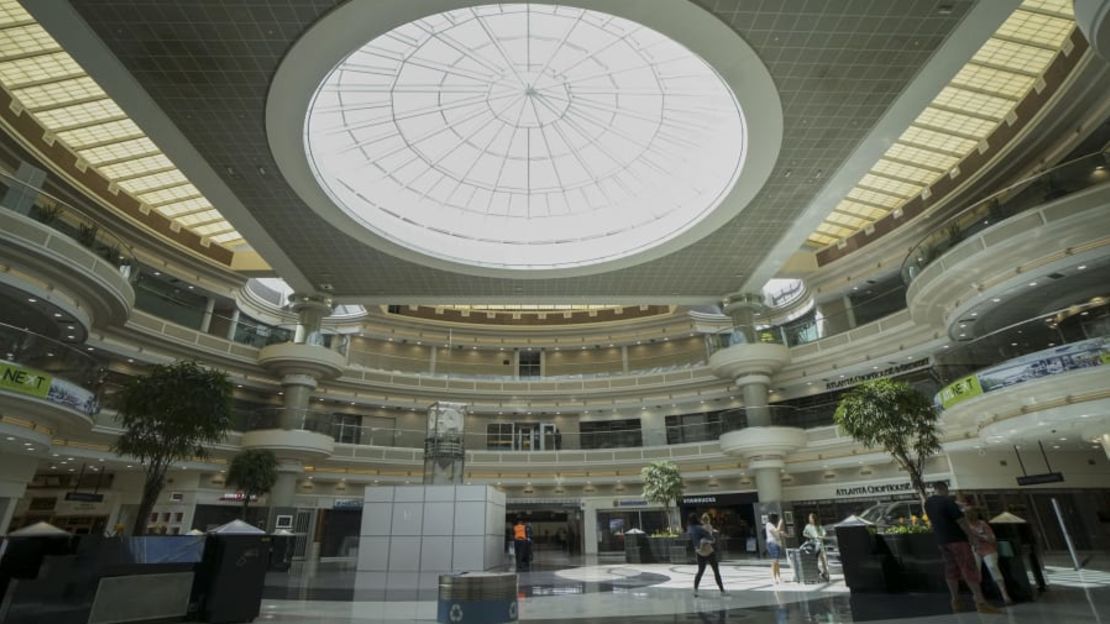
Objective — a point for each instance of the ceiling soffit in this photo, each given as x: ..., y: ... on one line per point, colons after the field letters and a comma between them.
x: 837, y: 66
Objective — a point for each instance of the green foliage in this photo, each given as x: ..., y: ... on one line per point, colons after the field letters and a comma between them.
x: 893, y: 416
x: 254, y: 473
x: 169, y: 415
x: 906, y: 529
x: 663, y: 485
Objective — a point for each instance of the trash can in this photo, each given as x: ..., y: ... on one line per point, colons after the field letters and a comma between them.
x: 477, y: 598
x: 281, y: 550
x: 805, y: 564
x: 229, y: 581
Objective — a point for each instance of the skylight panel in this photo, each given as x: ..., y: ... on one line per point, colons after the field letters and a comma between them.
x: 55, y: 94
x: 213, y: 228
x: 1015, y: 56
x: 165, y: 196
x: 956, y: 123
x: 924, y: 157
x: 958, y: 97
x: 24, y: 40
x: 119, y: 130
x: 988, y: 80
x: 11, y: 12
x: 863, y: 210
x: 78, y: 115
x: 24, y: 71
x: 937, y: 140
x: 850, y: 221
x: 137, y: 167
x: 1062, y: 8
x: 887, y: 185
x: 871, y: 197
x: 904, y: 172
x: 1036, y: 28
x: 227, y: 238
x: 525, y: 136
x: 118, y: 151
x: 199, y: 217
x: 184, y: 206
x: 53, y: 88
x: 138, y: 186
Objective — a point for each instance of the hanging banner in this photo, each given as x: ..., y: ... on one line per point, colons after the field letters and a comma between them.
x: 16, y: 378
x: 959, y: 390
x: 23, y: 380
x: 1029, y: 367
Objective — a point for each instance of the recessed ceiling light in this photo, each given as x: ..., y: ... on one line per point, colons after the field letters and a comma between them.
x: 32, y: 300
x: 1032, y: 283
x: 57, y: 315
x: 1081, y: 267
x: 996, y: 299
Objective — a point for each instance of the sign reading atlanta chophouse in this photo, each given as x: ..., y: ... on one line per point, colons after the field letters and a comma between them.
x: 881, y: 488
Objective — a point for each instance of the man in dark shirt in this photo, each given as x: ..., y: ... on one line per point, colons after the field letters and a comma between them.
x: 952, y: 531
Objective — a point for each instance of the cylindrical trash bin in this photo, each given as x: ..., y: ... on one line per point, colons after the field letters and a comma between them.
x: 477, y: 598
x: 281, y: 551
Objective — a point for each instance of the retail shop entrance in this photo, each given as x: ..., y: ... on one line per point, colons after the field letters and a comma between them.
x: 733, y: 514
x: 556, y: 528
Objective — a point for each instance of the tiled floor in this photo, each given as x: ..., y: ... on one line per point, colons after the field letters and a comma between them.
x: 646, y: 594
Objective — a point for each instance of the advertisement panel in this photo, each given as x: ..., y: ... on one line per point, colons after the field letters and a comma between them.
x: 24, y: 381
x: 1073, y: 356
x: 16, y: 378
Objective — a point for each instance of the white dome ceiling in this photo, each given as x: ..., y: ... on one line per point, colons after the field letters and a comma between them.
x: 523, y: 136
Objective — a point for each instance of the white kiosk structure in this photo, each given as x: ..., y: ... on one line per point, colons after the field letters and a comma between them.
x: 413, y: 533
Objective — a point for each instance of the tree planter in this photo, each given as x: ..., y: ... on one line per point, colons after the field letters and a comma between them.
x: 645, y: 549
x: 890, y: 563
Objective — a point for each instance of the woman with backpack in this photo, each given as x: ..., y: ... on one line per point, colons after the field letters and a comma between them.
x: 702, y: 540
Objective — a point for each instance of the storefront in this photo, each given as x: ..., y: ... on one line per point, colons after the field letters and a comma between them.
x: 732, y: 514
x: 337, y: 529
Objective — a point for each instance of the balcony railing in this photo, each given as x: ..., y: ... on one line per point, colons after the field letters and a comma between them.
x: 76, y: 224
x: 49, y: 369
x: 513, y: 436
x: 1077, y: 336
x: 1071, y: 177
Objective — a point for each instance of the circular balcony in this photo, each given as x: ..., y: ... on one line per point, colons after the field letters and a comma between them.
x: 295, y: 358
x: 47, y: 382
x: 1016, y: 237
x: 59, y: 249
x: 762, y: 444
x: 291, y: 434
x: 731, y: 358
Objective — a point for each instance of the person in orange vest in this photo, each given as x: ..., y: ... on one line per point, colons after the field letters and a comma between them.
x: 522, y: 544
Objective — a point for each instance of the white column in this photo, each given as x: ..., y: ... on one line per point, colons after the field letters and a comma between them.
x: 624, y: 358
x: 289, y: 472
x: 206, y: 320
x: 234, y: 324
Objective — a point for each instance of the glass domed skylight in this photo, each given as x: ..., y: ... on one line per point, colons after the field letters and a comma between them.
x: 525, y: 136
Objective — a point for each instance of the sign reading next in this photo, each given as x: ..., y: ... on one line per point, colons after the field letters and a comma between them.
x: 1037, y: 479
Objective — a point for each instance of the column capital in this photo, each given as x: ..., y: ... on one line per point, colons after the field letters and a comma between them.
x: 317, y: 303
x: 742, y: 300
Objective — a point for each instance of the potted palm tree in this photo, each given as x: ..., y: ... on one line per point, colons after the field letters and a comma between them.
x: 172, y: 414
x: 253, y: 472
x: 663, y: 486
x: 892, y: 415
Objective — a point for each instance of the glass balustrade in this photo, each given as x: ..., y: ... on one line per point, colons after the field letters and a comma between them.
x: 532, y: 435
x: 1031, y: 193
x: 1065, y: 339
x: 74, y: 223
x: 45, y: 368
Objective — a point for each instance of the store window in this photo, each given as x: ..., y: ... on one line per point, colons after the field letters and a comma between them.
x: 530, y: 364
x: 602, y: 434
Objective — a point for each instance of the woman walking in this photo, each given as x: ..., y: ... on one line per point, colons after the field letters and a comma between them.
x: 815, y: 534
x: 774, y: 529
x: 702, y: 541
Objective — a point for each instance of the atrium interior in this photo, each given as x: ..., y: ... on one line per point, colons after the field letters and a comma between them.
x: 345, y: 311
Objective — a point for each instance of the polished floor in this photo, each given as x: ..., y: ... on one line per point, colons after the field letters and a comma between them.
x: 646, y: 594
